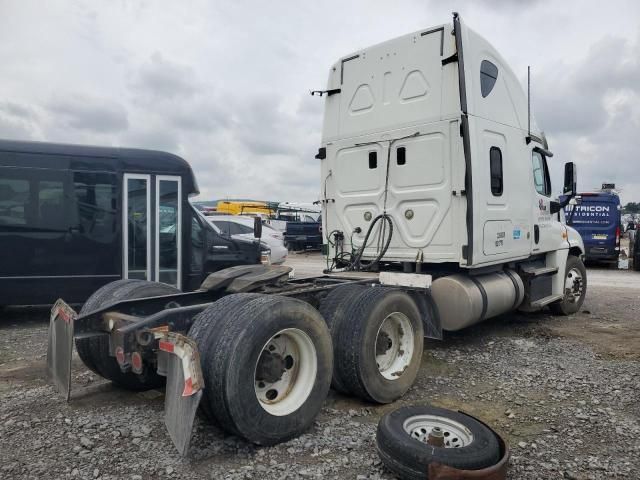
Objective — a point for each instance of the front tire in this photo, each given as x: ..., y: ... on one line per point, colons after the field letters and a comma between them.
x: 575, y: 288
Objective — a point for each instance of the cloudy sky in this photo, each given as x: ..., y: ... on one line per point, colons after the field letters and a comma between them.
x: 226, y: 84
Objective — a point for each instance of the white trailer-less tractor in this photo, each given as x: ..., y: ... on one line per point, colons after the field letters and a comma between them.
x: 437, y: 213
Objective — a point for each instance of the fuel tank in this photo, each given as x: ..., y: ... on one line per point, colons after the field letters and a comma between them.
x: 464, y: 300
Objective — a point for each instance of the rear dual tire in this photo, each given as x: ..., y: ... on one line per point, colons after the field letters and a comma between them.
x: 94, y: 351
x: 267, y: 363
x: 377, y: 339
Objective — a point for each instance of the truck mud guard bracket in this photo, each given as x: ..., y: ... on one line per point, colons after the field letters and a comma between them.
x: 60, y: 346
x: 179, y: 360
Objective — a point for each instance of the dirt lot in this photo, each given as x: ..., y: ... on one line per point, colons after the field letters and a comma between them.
x: 563, y: 391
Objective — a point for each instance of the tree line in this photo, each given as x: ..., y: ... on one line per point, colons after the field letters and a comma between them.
x: 631, y: 207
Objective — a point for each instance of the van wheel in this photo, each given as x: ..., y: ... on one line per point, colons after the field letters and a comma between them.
x: 267, y: 363
x: 402, y: 435
x: 575, y: 288
x: 332, y: 308
x: 379, y: 345
x: 94, y: 352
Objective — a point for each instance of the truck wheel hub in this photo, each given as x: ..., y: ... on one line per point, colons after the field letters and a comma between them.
x: 285, y: 372
x: 394, y: 345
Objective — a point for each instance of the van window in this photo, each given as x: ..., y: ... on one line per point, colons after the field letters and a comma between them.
x: 14, y: 195
x: 96, y: 195
x: 51, y: 204
x: 488, y: 77
x: 541, y: 174
x: 495, y: 166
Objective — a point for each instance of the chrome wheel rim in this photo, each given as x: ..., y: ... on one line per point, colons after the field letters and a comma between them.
x: 573, y: 285
x: 285, y: 372
x: 394, y: 345
x: 455, y: 434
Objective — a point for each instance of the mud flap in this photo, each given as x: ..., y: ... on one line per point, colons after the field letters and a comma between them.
x: 60, y: 347
x: 184, y: 386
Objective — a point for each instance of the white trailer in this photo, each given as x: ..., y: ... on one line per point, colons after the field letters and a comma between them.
x: 437, y: 212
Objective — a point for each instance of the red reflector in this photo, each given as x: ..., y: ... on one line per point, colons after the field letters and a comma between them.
x: 120, y: 355
x: 188, y: 388
x: 136, y: 361
x: 165, y: 346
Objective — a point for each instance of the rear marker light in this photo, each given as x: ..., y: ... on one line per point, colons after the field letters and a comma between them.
x: 120, y: 356
x: 136, y: 362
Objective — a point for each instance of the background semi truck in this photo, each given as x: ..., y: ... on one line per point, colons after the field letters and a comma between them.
x: 437, y: 214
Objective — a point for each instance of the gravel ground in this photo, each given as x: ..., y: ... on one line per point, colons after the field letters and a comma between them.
x: 563, y: 392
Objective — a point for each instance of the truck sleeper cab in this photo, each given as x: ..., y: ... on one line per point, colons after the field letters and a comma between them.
x: 437, y: 214
x: 428, y: 142
x: 73, y: 218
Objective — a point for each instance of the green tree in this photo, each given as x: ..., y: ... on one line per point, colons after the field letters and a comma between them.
x: 631, y: 207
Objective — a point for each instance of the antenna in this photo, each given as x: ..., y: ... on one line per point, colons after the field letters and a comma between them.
x: 529, y: 100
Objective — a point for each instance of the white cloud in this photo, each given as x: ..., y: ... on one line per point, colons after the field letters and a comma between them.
x: 225, y: 85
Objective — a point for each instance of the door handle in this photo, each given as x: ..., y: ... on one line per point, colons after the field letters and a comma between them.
x: 220, y: 247
x: 77, y: 229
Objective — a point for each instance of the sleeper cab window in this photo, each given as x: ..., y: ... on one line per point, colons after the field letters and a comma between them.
x: 495, y: 167
x: 373, y: 160
x: 488, y: 77
x: 401, y: 155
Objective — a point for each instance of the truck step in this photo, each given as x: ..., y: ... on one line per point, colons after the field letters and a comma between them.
x: 546, y: 300
x: 538, y: 271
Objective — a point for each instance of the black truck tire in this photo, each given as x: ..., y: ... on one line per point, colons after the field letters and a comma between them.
x: 379, y: 343
x: 210, y: 322
x: 401, y: 441
x: 267, y: 366
x: 573, y: 300
x: 332, y: 308
x: 94, y: 352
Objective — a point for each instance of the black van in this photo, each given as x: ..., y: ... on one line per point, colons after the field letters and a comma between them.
x: 73, y: 218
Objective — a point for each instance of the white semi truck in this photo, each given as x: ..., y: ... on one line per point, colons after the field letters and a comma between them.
x: 437, y: 212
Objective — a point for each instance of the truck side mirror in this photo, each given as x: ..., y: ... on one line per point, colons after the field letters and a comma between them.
x: 570, y: 179
x: 257, y: 227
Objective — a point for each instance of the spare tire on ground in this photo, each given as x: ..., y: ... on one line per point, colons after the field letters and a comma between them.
x: 403, y: 434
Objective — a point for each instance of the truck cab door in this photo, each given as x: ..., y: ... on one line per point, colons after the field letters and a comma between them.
x: 222, y: 251
x: 547, y: 229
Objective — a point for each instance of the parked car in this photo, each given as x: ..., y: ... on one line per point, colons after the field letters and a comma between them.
x: 239, y: 227
x: 73, y: 218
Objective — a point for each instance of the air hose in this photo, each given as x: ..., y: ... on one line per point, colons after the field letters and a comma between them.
x: 386, y: 219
